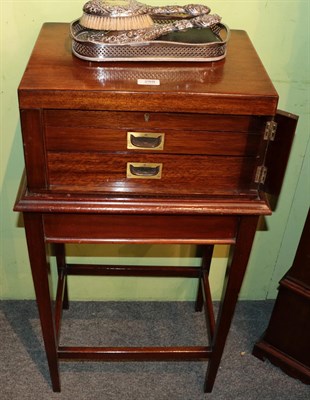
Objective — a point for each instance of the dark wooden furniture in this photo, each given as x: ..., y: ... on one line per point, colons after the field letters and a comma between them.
x: 109, y: 160
x: 286, y: 342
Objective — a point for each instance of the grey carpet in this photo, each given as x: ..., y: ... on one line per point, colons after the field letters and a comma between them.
x: 24, y: 374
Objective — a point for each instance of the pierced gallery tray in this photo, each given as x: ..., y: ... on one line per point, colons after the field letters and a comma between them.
x: 196, y: 44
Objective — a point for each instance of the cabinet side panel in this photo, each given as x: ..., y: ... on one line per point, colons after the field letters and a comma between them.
x: 34, y: 149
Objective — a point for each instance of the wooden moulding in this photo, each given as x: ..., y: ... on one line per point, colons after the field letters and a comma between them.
x: 263, y: 350
x: 71, y: 203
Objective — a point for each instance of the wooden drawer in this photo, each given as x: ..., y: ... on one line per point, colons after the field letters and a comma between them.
x: 91, y: 151
x: 149, y: 173
x: 207, y: 131
x: 185, y: 142
x: 145, y: 120
x: 140, y: 228
x: 155, y: 132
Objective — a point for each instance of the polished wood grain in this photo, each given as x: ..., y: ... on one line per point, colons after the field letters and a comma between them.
x: 286, y: 340
x: 42, y: 280
x: 139, y: 228
x: 75, y: 116
x: 204, y: 291
x: 80, y: 113
x: 69, y: 139
x: 88, y: 172
x: 132, y: 270
x: 34, y: 150
x: 233, y: 281
x: 135, y: 353
x: 130, y: 120
x: 237, y: 85
x: 89, y: 203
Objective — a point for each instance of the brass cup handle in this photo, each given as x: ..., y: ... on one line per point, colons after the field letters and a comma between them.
x: 145, y: 140
x: 144, y: 170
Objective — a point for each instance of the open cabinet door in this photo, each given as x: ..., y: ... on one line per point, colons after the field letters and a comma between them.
x: 278, y: 152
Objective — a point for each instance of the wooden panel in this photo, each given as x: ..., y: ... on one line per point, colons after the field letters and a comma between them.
x: 300, y: 271
x: 68, y: 130
x: 139, y: 228
x: 184, y: 142
x: 34, y: 150
x: 289, y: 327
x: 180, y: 174
x: 145, y: 120
x: 286, y: 340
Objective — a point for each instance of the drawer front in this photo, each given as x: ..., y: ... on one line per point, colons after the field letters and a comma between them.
x: 150, y: 174
x: 131, y: 120
x: 140, y: 228
x: 156, y: 153
x: 168, y: 133
x: 169, y: 141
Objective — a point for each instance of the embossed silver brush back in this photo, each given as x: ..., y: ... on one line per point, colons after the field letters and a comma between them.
x: 122, y: 15
x: 115, y: 15
x: 157, y: 30
x: 114, y: 30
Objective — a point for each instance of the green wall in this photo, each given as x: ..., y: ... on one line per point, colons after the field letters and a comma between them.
x: 280, y: 33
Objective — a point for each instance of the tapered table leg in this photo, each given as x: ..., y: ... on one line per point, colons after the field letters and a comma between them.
x: 205, y: 253
x: 232, y: 285
x: 61, y: 267
x: 42, y: 284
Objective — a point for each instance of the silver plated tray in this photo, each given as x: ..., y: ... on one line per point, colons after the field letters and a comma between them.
x: 84, y: 47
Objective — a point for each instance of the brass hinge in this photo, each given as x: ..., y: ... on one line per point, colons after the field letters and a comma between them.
x: 261, y: 173
x: 270, y: 130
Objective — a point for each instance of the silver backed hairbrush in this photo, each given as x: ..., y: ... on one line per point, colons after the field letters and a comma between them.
x: 153, y: 32
x: 121, y: 15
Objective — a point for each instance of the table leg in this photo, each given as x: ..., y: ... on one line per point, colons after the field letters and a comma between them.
x: 42, y: 284
x: 205, y: 253
x: 61, y: 267
x: 232, y: 285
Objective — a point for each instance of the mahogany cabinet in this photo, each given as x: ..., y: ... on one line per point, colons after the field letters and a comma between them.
x: 111, y: 160
x: 286, y: 341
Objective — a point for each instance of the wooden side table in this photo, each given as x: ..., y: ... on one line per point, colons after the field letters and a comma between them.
x: 111, y: 161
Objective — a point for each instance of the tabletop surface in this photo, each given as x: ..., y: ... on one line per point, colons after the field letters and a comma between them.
x: 239, y: 80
